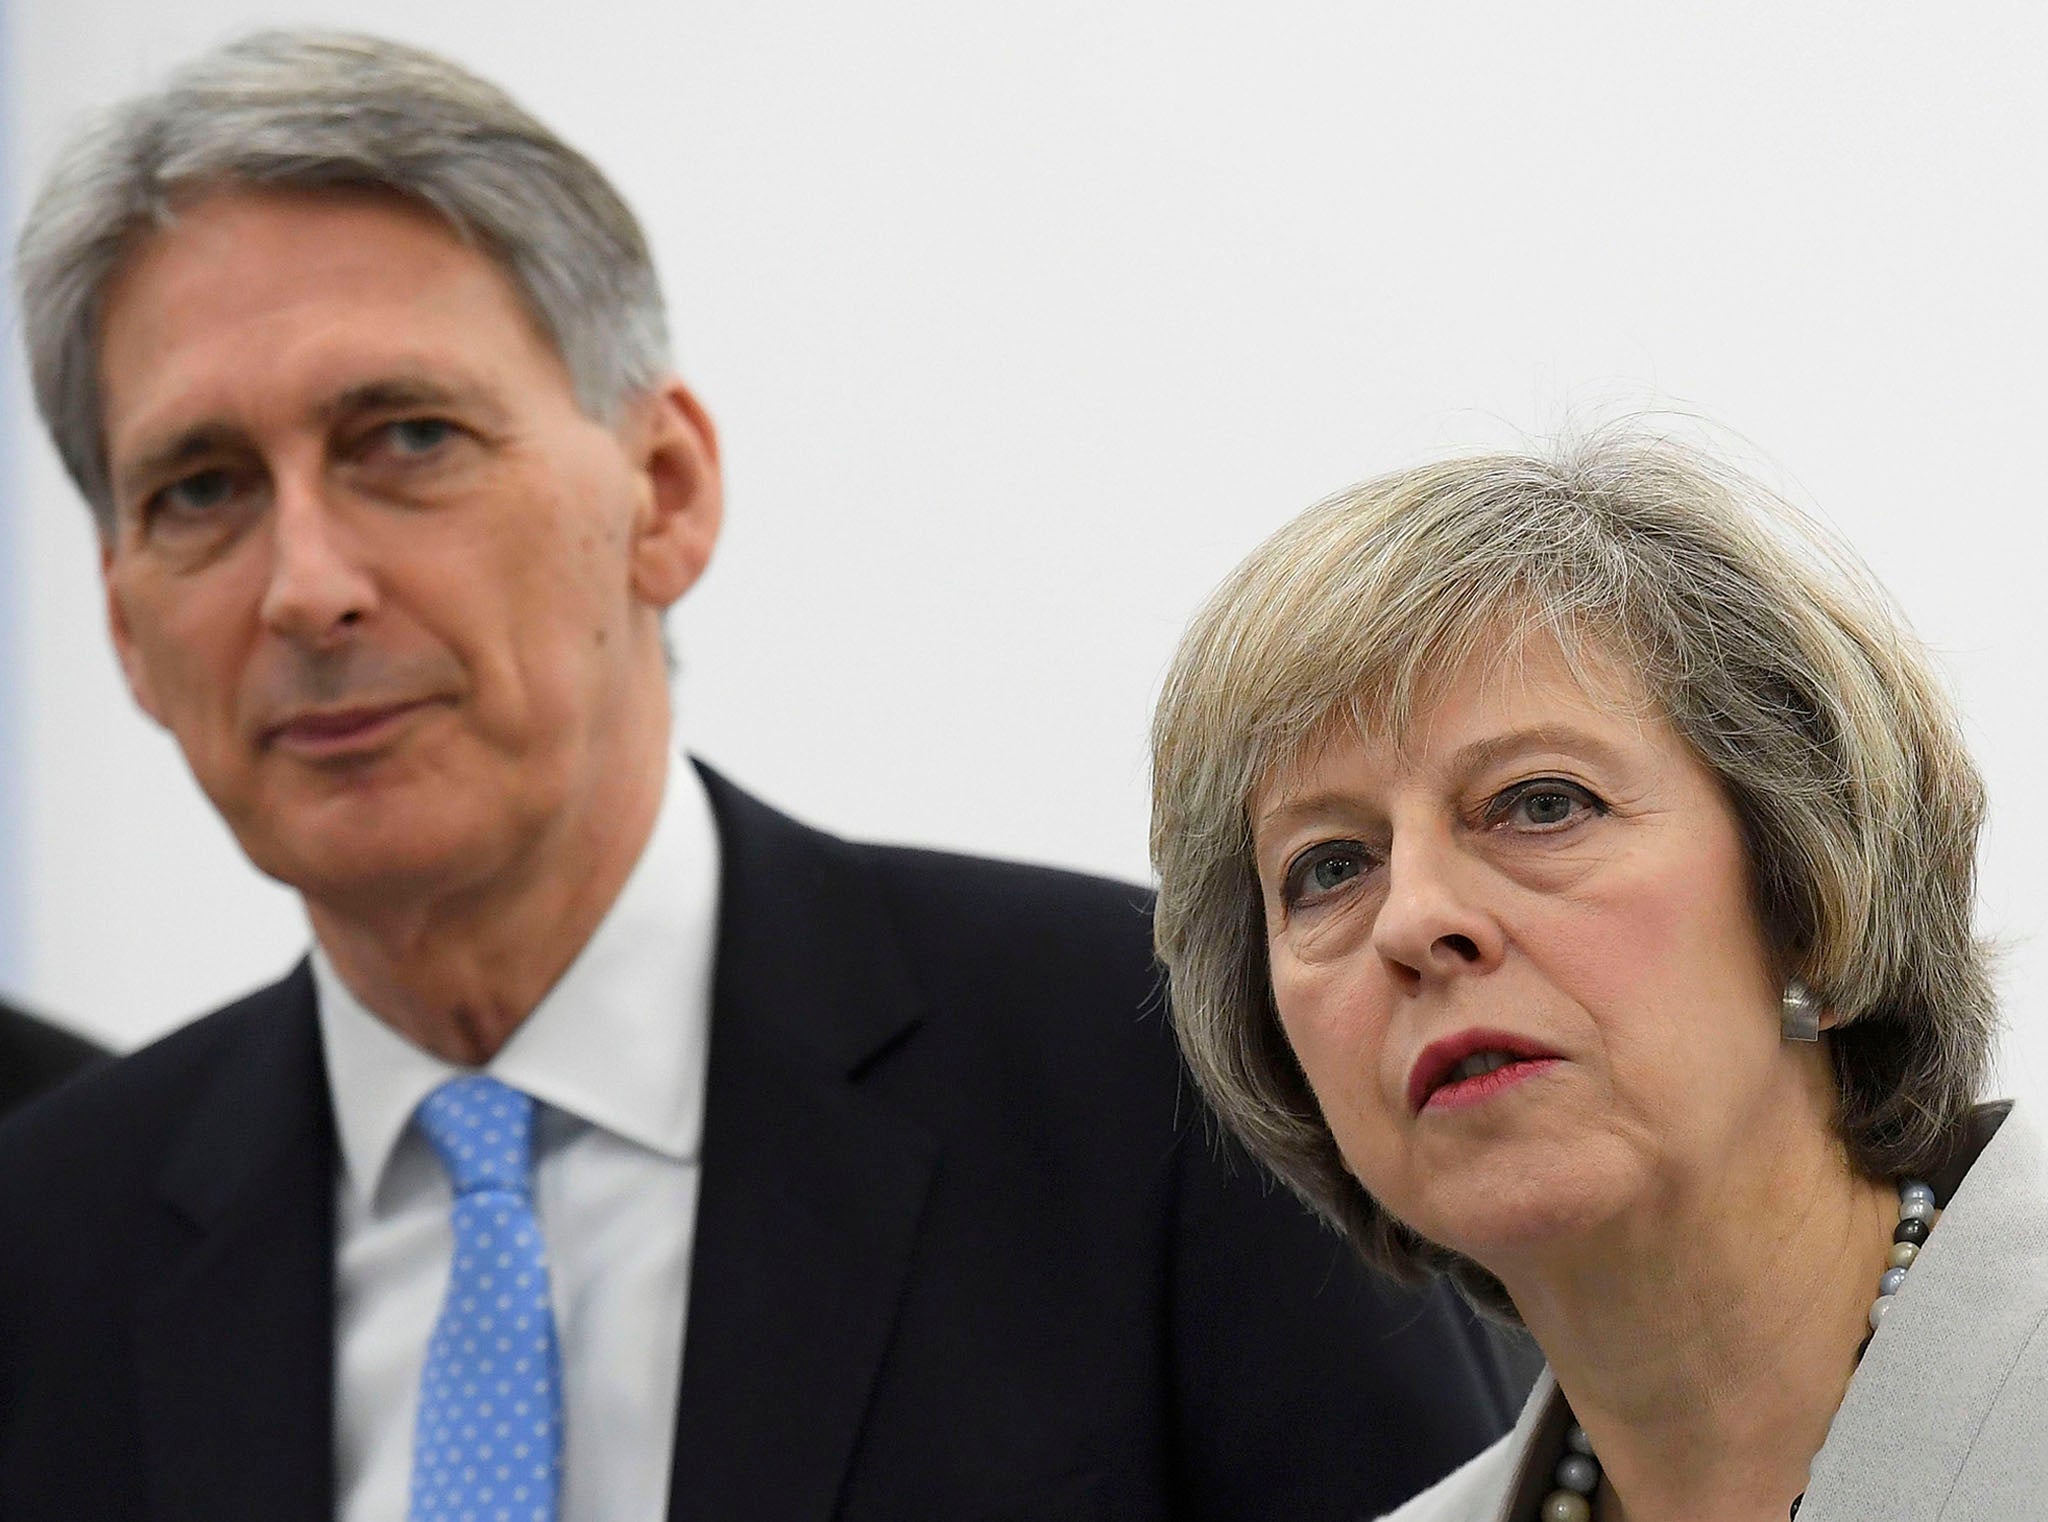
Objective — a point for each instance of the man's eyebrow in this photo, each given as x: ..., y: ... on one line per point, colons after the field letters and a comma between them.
x: 397, y: 393
x: 391, y: 393
x: 176, y: 452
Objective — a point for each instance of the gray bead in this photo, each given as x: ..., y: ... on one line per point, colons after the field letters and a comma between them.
x: 1575, y: 1471
x: 1878, y: 1307
x: 1912, y: 1188
x: 1916, y: 1209
x: 1575, y: 1439
x: 1889, y: 1281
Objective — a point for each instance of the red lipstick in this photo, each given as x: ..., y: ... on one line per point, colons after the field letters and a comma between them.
x: 1447, y: 1076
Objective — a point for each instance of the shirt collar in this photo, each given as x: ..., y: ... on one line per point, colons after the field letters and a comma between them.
x: 620, y: 1041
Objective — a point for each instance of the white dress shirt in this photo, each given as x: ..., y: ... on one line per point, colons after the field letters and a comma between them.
x: 615, y: 1055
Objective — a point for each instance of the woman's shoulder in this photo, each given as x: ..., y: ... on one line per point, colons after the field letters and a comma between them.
x: 1946, y: 1410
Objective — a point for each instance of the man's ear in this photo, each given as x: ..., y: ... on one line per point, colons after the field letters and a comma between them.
x: 124, y: 638
x: 684, y: 499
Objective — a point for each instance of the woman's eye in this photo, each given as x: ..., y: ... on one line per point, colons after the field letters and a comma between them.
x: 1544, y: 804
x: 1323, y: 870
x: 1331, y: 872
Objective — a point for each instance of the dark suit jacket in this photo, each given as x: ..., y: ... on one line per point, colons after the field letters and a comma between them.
x: 35, y: 1055
x: 964, y: 1249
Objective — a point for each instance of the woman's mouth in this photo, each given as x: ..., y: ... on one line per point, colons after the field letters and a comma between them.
x: 1463, y: 1089
x: 1473, y: 1066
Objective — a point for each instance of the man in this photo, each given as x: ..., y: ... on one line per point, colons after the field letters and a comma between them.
x: 35, y: 1055
x: 364, y: 375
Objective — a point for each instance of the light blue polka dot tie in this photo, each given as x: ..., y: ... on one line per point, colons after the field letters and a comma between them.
x: 487, y: 1446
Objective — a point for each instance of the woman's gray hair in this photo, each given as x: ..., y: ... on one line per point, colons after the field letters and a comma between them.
x: 317, y: 111
x: 1765, y: 645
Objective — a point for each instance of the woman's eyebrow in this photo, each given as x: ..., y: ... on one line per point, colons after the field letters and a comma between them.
x: 1494, y: 749
x: 1294, y: 809
x: 1291, y: 809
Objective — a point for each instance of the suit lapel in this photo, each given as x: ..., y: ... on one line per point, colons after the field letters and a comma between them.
x: 234, y: 1332
x: 812, y: 1187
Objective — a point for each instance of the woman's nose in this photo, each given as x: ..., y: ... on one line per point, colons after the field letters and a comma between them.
x: 1434, y: 922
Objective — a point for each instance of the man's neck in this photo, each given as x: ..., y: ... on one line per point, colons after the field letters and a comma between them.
x: 457, y: 973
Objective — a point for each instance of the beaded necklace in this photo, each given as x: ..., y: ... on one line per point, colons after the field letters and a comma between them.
x: 1578, y: 1472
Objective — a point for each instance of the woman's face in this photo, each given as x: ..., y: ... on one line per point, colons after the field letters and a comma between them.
x: 1518, y: 960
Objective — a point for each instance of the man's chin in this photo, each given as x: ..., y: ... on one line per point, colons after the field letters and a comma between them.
x: 374, y: 871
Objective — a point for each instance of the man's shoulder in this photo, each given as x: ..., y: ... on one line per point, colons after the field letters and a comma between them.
x: 36, y: 1055
x: 116, y: 1119
x: 1473, y: 1492
x: 993, y: 902
x: 1052, y: 968
x: 1033, y: 994
x: 1479, y: 1489
x: 748, y: 823
x: 1025, y: 928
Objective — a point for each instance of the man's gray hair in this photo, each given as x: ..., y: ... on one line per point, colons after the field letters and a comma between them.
x: 308, y: 110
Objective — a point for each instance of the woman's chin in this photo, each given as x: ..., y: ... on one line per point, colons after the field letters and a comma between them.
x: 1497, y: 1239
x: 1533, y: 1214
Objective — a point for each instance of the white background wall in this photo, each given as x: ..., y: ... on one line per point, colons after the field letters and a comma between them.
x: 1023, y: 323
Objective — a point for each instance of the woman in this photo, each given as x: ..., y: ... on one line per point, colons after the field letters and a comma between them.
x: 1565, y: 874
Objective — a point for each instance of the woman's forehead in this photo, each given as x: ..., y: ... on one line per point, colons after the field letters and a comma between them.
x: 1516, y: 677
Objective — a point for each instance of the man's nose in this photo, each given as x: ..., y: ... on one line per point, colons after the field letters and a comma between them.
x: 319, y: 586
x: 1436, y: 920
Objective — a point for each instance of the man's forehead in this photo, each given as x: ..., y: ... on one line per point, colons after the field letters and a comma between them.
x: 252, y: 299
x: 217, y: 215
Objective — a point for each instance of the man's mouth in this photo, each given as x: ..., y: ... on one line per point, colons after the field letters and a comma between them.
x: 339, y: 733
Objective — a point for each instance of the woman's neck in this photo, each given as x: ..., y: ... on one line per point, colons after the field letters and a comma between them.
x: 1705, y: 1344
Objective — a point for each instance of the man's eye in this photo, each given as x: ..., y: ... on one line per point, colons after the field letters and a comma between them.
x: 1544, y: 804
x: 418, y: 435
x: 196, y: 495
x: 1323, y: 870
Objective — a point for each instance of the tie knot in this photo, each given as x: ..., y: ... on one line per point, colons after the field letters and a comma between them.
x: 483, y: 1130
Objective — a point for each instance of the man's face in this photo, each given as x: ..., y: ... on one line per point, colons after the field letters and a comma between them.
x: 395, y: 595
